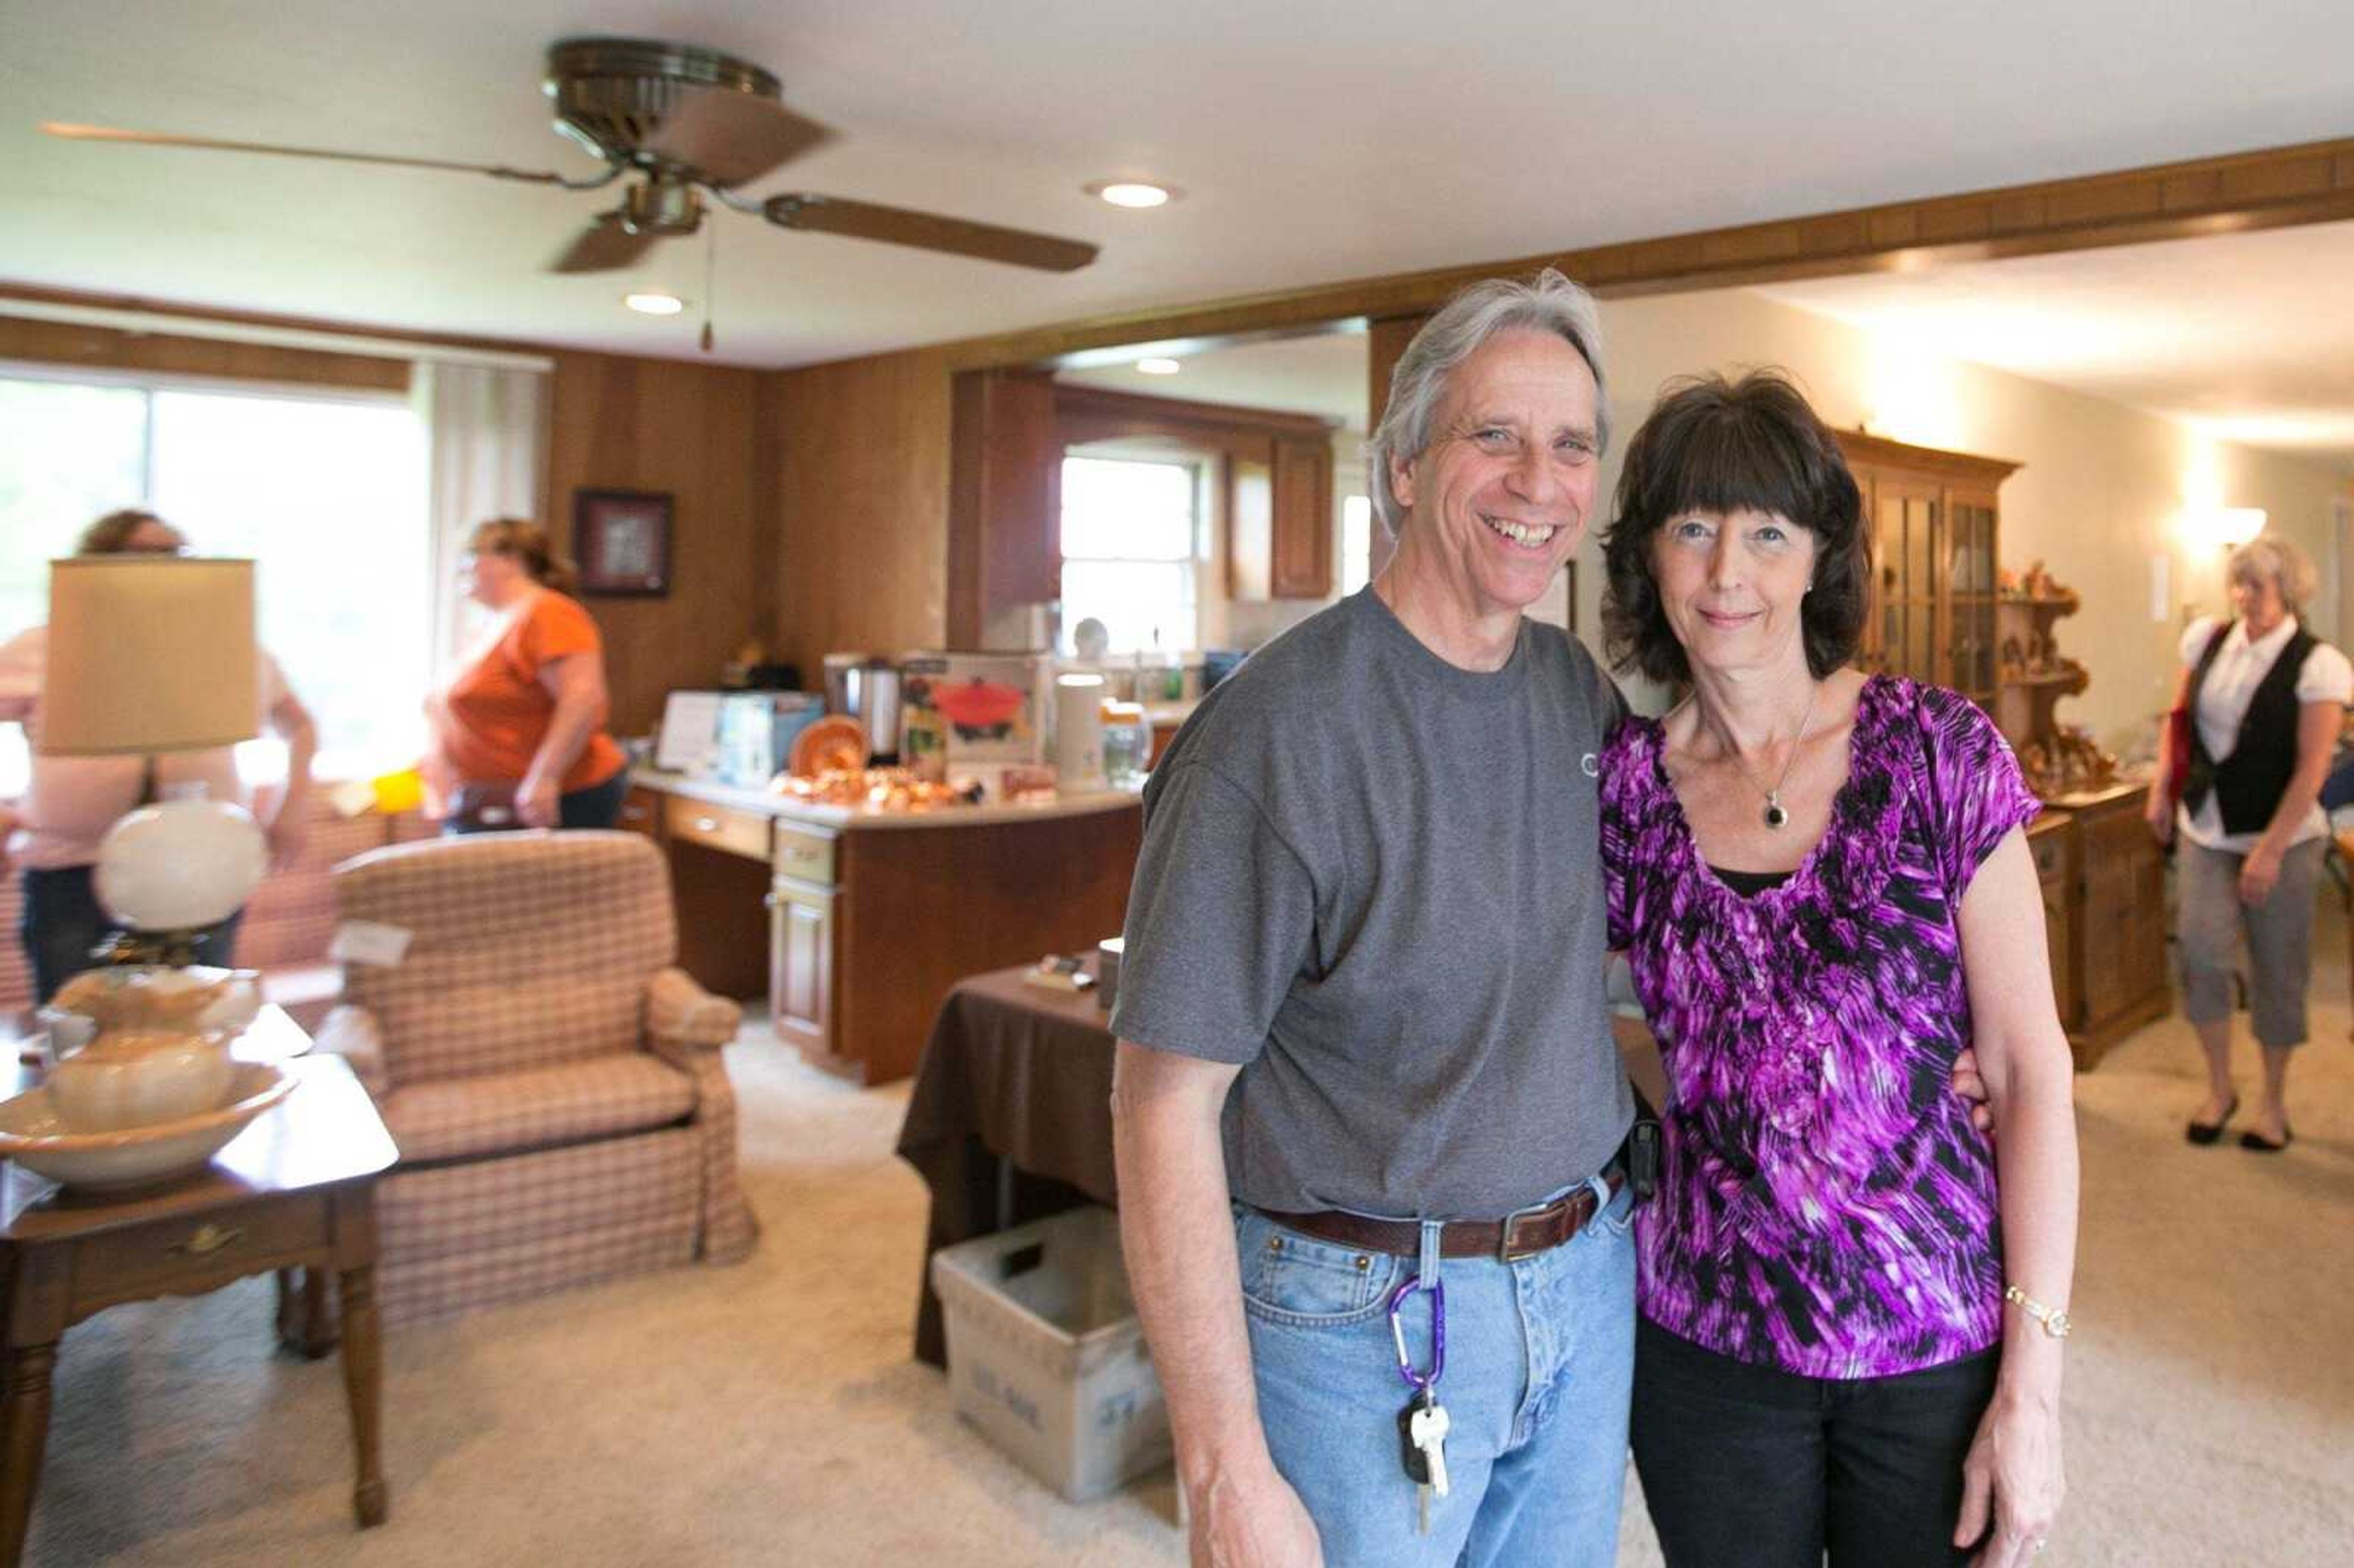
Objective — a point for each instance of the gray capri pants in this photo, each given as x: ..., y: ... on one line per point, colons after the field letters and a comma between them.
x: 2209, y: 920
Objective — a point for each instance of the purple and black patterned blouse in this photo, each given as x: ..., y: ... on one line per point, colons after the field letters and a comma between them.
x: 1826, y: 1206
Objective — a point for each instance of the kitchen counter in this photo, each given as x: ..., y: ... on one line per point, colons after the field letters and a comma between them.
x: 784, y: 807
x: 854, y: 925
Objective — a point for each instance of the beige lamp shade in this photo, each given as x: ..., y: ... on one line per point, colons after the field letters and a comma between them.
x: 149, y: 653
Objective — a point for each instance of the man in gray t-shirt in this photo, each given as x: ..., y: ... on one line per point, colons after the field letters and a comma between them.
x: 1365, y: 1048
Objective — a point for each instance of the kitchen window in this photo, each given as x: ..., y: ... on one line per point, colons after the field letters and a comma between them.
x: 326, y: 490
x: 1131, y: 551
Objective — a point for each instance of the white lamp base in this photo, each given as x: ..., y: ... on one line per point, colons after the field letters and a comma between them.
x: 180, y: 864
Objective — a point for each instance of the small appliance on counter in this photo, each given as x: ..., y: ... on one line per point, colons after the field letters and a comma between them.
x: 972, y: 711
x: 866, y: 687
x: 1079, y: 732
x: 756, y: 731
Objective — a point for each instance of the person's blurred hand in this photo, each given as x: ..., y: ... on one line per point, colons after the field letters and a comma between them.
x: 538, y: 804
x: 10, y: 820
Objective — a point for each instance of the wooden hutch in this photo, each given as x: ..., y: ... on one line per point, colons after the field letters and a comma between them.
x: 1939, y: 613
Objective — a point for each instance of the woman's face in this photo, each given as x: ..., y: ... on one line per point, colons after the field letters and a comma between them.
x: 1731, y: 584
x: 490, y: 577
x: 2256, y: 600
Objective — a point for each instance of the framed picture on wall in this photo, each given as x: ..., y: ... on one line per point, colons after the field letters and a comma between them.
x: 622, y: 539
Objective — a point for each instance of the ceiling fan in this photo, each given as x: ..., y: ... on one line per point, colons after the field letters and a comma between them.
x: 680, y: 123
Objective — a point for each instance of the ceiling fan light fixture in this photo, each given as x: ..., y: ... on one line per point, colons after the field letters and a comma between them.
x: 1132, y: 193
x: 1159, y: 366
x: 653, y: 303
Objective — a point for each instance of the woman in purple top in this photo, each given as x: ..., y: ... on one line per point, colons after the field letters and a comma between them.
x: 1852, y: 1301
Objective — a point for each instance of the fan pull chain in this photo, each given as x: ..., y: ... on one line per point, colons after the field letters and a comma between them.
x: 710, y: 254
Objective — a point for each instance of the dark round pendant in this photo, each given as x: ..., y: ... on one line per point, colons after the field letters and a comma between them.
x: 1776, y: 818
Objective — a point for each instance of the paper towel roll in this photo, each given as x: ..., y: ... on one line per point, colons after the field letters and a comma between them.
x: 1079, y: 732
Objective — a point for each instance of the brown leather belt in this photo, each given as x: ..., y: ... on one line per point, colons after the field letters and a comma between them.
x: 1522, y: 1234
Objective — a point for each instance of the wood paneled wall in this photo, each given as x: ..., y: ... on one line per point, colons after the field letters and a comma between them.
x: 105, y: 348
x: 862, y: 485
x: 699, y: 433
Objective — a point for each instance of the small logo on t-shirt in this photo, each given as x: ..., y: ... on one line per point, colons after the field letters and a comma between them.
x: 1593, y: 768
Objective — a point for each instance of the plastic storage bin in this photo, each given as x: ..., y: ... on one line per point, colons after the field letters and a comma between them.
x: 1046, y: 1355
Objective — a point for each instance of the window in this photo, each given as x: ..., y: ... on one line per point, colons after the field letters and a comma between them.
x: 326, y: 493
x: 1356, y: 543
x: 1129, y: 551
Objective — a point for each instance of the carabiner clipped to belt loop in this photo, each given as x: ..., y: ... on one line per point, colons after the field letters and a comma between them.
x: 1426, y: 1267
x: 1437, y: 1288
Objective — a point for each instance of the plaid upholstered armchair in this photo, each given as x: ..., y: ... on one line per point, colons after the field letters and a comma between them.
x: 554, y: 1085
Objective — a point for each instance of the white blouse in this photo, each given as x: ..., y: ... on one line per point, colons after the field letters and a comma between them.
x: 2239, y: 668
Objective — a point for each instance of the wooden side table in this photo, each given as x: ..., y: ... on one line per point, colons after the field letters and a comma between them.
x: 296, y: 1189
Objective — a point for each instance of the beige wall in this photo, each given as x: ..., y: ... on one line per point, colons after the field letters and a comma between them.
x: 2103, y: 490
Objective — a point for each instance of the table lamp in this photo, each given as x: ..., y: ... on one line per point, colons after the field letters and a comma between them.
x: 149, y: 654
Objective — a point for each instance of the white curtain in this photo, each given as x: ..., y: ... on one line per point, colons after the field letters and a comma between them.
x: 488, y: 455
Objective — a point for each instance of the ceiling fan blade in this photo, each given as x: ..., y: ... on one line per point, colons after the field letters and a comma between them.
x: 927, y: 231
x: 72, y: 133
x: 732, y: 138
x: 603, y: 246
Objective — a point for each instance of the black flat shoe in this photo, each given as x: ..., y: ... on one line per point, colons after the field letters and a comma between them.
x: 2206, y: 1132
x: 2257, y: 1140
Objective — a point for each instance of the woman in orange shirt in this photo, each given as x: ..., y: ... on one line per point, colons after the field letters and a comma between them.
x: 518, y: 733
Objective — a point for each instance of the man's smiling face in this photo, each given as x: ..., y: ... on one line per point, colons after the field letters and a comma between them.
x: 1504, y: 489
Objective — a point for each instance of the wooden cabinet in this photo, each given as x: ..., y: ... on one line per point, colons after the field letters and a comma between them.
x: 870, y: 925
x: 800, y: 967
x: 1279, y: 520
x: 2051, y: 841
x: 1005, y: 486
x: 1936, y: 524
x: 1300, y: 556
x: 2112, y: 924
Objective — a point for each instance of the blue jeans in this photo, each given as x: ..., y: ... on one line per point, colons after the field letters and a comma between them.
x: 62, y: 920
x: 1540, y: 1357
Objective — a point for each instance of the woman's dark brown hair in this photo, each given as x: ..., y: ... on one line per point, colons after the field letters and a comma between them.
x: 1714, y: 445
x: 111, y: 535
x: 526, y: 543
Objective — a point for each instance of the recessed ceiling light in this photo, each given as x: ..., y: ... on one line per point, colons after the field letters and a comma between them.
x: 1159, y: 366
x: 1132, y: 193
x: 654, y: 304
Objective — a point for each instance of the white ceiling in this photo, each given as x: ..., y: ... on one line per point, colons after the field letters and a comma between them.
x: 2250, y: 335
x: 1315, y: 140
x: 1323, y: 375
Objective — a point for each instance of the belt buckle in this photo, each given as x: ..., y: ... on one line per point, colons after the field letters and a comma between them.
x: 1504, y: 1253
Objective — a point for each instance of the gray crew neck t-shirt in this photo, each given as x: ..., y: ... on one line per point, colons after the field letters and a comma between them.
x: 1373, y: 880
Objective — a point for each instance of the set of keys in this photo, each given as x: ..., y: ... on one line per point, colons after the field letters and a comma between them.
x: 1422, y: 1447
x: 1422, y: 1425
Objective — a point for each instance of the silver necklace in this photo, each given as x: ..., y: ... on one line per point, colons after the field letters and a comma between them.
x: 1776, y: 817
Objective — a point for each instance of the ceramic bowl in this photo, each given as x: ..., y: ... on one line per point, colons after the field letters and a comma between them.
x: 134, y: 1077
x: 34, y: 1135
x: 160, y: 996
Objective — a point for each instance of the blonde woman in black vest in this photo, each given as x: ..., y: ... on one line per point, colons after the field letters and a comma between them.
x: 2265, y: 698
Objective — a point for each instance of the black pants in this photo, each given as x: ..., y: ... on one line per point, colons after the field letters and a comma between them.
x: 62, y: 920
x: 1747, y: 1467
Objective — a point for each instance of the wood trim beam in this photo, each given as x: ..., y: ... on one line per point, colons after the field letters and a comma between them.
x: 2276, y: 187
x: 1082, y: 402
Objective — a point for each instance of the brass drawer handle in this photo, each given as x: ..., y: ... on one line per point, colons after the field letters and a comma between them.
x: 707, y: 824
x: 801, y: 852
x: 210, y: 1239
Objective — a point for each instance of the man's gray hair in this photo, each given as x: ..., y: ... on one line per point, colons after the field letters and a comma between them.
x: 2281, y: 560
x: 1547, y: 302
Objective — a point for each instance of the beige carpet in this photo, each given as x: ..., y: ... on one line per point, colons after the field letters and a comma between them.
x: 769, y: 1415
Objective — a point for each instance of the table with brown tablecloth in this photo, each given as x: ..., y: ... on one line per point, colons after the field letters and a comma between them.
x: 1010, y: 1117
